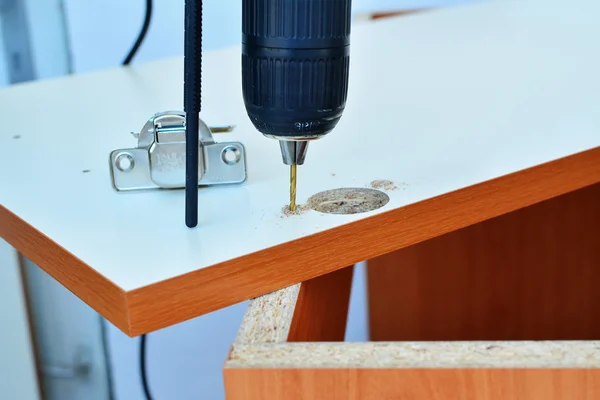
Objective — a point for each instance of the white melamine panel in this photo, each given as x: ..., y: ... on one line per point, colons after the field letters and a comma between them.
x: 438, y: 101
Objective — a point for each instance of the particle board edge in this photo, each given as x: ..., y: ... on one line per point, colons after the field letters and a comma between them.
x: 417, y: 355
x: 268, y: 318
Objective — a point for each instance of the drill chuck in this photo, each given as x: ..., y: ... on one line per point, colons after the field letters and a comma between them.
x: 295, y: 64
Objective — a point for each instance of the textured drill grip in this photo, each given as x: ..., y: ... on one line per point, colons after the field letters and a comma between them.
x: 295, y: 64
x: 297, y: 23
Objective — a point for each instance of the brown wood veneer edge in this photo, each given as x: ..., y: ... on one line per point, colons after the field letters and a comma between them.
x: 85, y: 282
x: 196, y: 293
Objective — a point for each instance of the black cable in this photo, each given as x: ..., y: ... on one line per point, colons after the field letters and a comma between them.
x: 192, y: 95
x: 106, y: 352
x: 143, y: 367
x: 141, y: 35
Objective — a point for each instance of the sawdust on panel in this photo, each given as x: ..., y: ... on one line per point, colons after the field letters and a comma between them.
x: 383, y: 184
x: 300, y: 209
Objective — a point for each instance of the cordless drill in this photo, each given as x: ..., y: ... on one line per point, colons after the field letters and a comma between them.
x: 295, y: 63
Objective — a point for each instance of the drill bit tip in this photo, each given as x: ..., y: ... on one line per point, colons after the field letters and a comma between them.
x: 293, y: 187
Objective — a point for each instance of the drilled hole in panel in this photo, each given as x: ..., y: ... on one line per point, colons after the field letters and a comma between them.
x: 348, y: 201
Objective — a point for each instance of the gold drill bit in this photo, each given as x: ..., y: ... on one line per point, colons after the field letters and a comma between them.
x: 293, y: 187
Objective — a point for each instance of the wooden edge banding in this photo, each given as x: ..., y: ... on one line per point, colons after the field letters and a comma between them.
x: 368, y: 17
x: 268, y: 318
x: 322, y: 308
x: 429, y: 384
x: 479, y: 354
x: 187, y: 296
x: 208, y: 289
x: 86, y: 283
x: 398, y: 13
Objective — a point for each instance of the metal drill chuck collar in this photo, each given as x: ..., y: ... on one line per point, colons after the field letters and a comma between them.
x: 293, y: 151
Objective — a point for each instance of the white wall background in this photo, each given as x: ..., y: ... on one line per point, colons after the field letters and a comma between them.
x: 102, y: 31
x: 48, y: 38
x: 3, y: 71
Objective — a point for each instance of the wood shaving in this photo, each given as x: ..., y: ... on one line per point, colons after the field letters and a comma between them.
x: 384, y: 184
x: 300, y: 209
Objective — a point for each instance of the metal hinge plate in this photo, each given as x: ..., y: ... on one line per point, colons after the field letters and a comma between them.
x: 158, y: 161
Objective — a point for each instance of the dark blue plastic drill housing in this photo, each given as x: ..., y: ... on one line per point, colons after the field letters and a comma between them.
x: 295, y: 63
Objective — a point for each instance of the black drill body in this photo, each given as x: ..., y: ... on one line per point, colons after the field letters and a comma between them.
x: 295, y: 64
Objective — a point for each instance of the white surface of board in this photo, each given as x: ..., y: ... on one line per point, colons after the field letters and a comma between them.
x: 438, y: 101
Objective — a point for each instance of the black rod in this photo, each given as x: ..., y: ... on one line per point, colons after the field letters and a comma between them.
x: 192, y: 94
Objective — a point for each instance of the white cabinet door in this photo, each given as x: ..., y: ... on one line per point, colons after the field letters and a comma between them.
x: 69, y: 337
x: 18, y: 379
